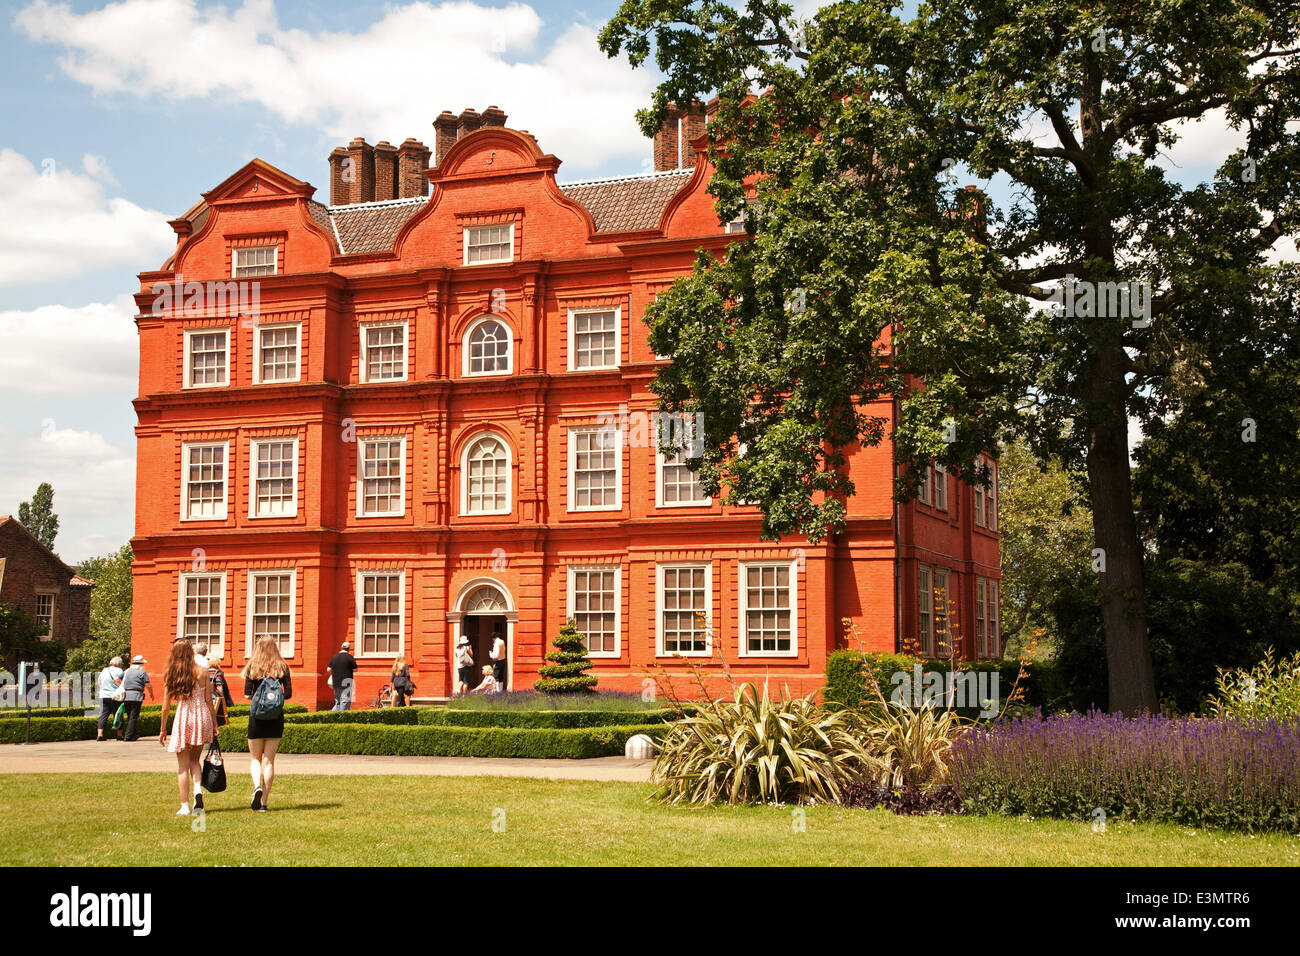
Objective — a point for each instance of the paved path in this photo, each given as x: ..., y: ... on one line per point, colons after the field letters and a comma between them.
x: 146, y: 756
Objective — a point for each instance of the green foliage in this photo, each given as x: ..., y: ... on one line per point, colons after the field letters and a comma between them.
x: 1267, y: 691
x: 853, y: 232
x: 915, y: 743
x: 447, y: 717
x: 564, y: 675
x: 430, y: 741
x: 533, y: 700
x: 110, y: 611
x: 753, y: 749
x: 38, y: 516
x: 18, y: 635
x: 1202, y: 615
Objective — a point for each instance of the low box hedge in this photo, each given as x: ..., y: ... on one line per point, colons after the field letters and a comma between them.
x: 70, y: 723
x: 14, y: 713
x: 558, y: 719
x: 431, y: 741
x: 388, y: 715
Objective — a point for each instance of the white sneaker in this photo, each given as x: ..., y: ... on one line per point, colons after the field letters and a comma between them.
x: 184, y: 811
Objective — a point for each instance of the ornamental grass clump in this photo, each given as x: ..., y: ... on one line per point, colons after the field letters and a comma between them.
x: 1228, y: 773
x: 756, y: 749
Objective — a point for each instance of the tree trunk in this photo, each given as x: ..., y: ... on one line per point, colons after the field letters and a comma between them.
x: 1123, y: 605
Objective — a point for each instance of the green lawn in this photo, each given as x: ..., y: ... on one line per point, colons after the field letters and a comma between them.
x: 94, y: 819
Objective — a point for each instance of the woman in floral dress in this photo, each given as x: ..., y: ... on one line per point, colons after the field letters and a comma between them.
x: 186, y: 685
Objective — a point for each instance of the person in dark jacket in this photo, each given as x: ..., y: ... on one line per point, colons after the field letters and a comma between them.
x: 264, y: 733
x: 134, y: 683
x: 403, y: 686
x: 222, y: 701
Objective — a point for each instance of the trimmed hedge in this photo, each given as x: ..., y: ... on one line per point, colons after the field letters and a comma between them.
x: 846, y: 682
x: 558, y: 719
x: 429, y: 741
x: 237, y: 710
x: 389, y: 715
x: 49, y: 728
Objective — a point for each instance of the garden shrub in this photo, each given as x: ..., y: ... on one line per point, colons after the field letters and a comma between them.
x: 429, y: 741
x: 906, y: 801
x: 566, y: 672
x: 847, y: 685
x: 447, y: 717
x: 1264, y: 691
x: 1197, y: 772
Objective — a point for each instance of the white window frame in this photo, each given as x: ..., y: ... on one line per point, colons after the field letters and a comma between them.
x: 570, y: 571
x: 362, y: 441
x: 571, y: 466
x: 473, y: 440
x: 359, y: 637
x: 220, y: 650
x: 925, y: 609
x: 257, y: 353
x: 925, y: 492
x: 465, y: 243
x: 466, y: 347
x: 54, y: 605
x: 363, y: 368
x: 742, y: 601
x: 940, y: 478
x: 618, y: 338
x: 661, y: 462
x: 707, y: 566
x: 236, y: 265
x: 981, y: 617
x: 292, y: 510
x: 225, y: 480
x: 251, y: 596
x: 188, y: 364
x: 991, y: 498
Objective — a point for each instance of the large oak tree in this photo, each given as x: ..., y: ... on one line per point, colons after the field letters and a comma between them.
x: 869, y: 269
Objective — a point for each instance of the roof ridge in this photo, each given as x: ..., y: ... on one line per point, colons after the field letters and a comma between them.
x: 379, y: 203
x: 658, y: 174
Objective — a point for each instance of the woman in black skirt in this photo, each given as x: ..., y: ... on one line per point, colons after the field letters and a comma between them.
x: 264, y: 735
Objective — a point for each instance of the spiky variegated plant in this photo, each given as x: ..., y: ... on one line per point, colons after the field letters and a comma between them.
x: 754, y: 749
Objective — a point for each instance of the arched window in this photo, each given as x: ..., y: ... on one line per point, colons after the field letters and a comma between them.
x: 487, y: 348
x: 486, y: 477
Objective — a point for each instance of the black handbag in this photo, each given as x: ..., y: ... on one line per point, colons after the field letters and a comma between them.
x: 214, y: 771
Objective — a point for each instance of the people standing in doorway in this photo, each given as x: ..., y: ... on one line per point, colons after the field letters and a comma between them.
x: 195, y: 724
x: 341, y: 668
x: 134, y: 683
x: 464, y: 666
x: 110, y: 689
x: 264, y: 733
x: 403, y: 686
x: 498, y: 658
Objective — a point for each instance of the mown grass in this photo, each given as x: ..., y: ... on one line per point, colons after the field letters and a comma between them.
x: 118, y: 819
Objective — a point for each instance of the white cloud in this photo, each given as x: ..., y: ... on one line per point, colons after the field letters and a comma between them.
x: 387, y: 81
x: 61, y: 350
x: 58, y: 223
x: 93, y: 479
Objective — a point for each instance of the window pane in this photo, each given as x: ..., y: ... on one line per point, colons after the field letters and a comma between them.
x: 594, y: 339
x: 684, y: 604
x: 768, y: 625
x: 385, y: 352
x: 489, y: 348
x: 593, y: 608
x: 273, y: 484
x: 595, y: 469
x: 381, y: 477
x: 279, y: 351
x: 205, y: 481
x: 208, y: 358
x: 486, y: 477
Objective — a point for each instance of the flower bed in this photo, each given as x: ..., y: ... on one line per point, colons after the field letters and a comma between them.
x: 1222, y: 773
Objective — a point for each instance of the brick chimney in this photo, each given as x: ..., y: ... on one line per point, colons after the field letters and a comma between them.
x: 362, y: 155
x: 692, y: 128
x: 469, y: 122
x: 444, y: 135
x: 666, y: 141
x: 412, y: 161
x: 494, y: 116
x: 341, y: 174
x: 385, y: 170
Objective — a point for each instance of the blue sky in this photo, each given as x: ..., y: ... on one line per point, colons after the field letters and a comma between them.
x: 116, y: 116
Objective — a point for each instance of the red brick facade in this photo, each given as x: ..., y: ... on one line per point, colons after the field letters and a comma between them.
x: 46, y: 589
x: 376, y: 436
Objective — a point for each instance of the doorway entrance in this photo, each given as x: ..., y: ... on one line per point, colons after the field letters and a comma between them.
x: 483, y: 612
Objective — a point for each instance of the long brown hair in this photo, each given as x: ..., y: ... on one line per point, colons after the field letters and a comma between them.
x: 398, y: 664
x: 182, y: 672
x: 266, y: 661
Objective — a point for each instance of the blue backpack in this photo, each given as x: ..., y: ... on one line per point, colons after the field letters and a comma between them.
x: 268, y: 700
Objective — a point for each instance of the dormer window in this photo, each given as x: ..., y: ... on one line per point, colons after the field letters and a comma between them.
x: 255, y: 261
x: 487, y: 244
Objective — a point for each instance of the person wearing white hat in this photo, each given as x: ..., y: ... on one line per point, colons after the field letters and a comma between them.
x: 134, y: 683
x: 464, y: 666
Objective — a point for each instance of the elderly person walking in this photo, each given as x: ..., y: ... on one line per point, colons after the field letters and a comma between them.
x: 134, y: 683
x: 110, y: 684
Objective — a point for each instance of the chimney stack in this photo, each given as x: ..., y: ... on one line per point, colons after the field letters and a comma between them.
x: 444, y: 135
x: 679, y: 128
x: 469, y: 122
x: 666, y: 141
x: 385, y: 170
x: 362, y: 155
x: 341, y: 174
x: 412, y: 161
x: 494, y: 116
x: 692, y: 129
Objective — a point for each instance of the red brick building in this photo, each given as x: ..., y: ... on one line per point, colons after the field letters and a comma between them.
x: 34, y: 579
x: 434, y: 425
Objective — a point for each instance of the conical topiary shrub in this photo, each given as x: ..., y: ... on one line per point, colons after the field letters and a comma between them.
x: 565, y: 675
